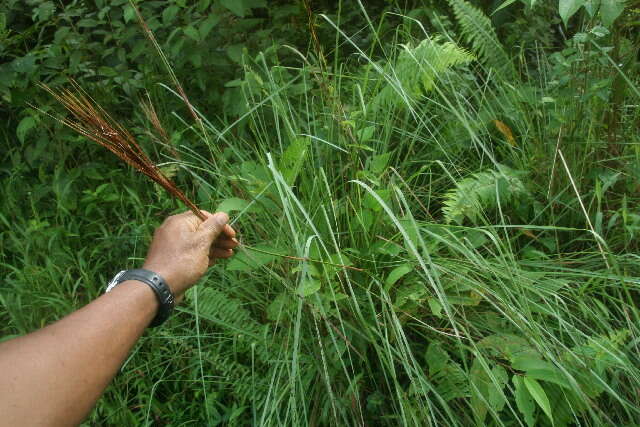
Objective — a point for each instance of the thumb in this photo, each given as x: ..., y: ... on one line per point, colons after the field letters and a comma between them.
x: 214, y: 225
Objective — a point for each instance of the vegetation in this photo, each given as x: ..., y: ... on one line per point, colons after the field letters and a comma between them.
x: 476, y: 163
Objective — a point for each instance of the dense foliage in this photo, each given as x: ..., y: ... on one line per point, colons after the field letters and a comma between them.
x: 477, y: 163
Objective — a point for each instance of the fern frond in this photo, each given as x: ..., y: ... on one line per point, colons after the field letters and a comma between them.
x: 237, y: 379
x: 479, y: 33
x: 230, y: 316
x: 450, y: 380
x: 416, y: 69
x: 483, y: 191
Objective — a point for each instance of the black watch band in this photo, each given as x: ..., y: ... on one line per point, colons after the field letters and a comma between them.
x: 166, y: 299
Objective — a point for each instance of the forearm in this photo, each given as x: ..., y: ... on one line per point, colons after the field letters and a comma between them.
x: 55, y: 375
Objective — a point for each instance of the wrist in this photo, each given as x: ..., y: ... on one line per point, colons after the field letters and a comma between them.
x: 165, y: 299
x: 141, y: 293
x: 174, y: 281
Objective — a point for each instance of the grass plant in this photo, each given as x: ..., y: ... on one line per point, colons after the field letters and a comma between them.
x: 460, y: 241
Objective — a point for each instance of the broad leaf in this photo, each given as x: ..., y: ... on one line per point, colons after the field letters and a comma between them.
x: 435, y: 306
x: 248, y: 259
x: 365, y: 134
x: 502, y: 6
x: 169, y: 14
x: 568, y: 8
x: 527, y: 361
x: 207, y: 25
x: 129, y: 13
x: 308, y: 287
x: 378, y: 163
x: 436, y: 358
x: 539, y: 395
x: 24, y: 127
x: 293, y: 158
x: 610, y: 10
x: 486, y: 389
x: 554, y: 376
x: 397, y: 273
x: 192, y: 33
x: 238, y: 7
x: 524, y: 401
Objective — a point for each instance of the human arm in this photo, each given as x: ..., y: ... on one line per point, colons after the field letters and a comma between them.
x: 55, y: 375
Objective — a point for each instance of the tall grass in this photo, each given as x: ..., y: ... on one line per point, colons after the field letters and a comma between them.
x: 499, y: 267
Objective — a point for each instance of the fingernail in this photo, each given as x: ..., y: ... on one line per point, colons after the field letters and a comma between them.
x: 221, y: 218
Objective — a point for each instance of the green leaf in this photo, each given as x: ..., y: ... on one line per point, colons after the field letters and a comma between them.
x: 293, y: 158
x: 486, y: 389
x: 255, y: 3
x: 610, y: 10
x: 192, y: 33
x: 478, y: 387
x: 527, y: 361
x: 436, y: 358
x: 24, y: 127
x: 308, y: 287
x: 502, y: 6
x: 567, y: 8
x: 378, y: 163
x: 539, y: 395
x: 372, y: 203
x: 495, y: 386
x: 232, y: 204
x: 235, y: 52
x: 169, y: 14
x: 3, y: 21
x: 554, y: 376
x: 249, y: 260
x: 238, y: 7
x: 435, y: 307
x: 25, y: 64
x: 280, y: 307
x: 397, y: 273
x: 524, y: 401
x: 44, y: 11
x: 129, y: 13
x: 365, y: 134
x: 207, y: 25
x: 592, y: 6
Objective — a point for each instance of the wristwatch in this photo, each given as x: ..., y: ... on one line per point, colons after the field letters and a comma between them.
x: 166, y: 300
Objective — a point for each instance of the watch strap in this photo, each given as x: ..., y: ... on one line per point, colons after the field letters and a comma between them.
x: 166, y: 300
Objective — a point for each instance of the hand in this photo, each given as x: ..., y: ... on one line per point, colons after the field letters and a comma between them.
x: 183, y: 247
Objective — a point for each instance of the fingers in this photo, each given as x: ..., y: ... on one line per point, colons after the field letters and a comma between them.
x: 225, y: 243
x: 220, y: 253
x: 214, y: 225
x: 229, y: 231
x: 217, y: 253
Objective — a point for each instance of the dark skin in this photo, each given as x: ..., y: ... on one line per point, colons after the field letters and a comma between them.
x: 54, y: 376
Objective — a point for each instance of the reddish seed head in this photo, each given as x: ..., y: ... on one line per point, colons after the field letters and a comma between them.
x: 92, y: 121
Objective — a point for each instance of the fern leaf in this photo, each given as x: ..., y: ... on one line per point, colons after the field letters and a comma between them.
x: 482, y: 191
x: 450, y: 380
x: 479, y: 33
x: 229, y: 315
x: 416, y: 70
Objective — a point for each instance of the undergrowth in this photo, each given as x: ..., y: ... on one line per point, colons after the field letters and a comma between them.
x: 486, y: 199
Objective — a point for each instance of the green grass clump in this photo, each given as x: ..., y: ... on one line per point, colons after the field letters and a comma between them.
x: 491, y: 217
